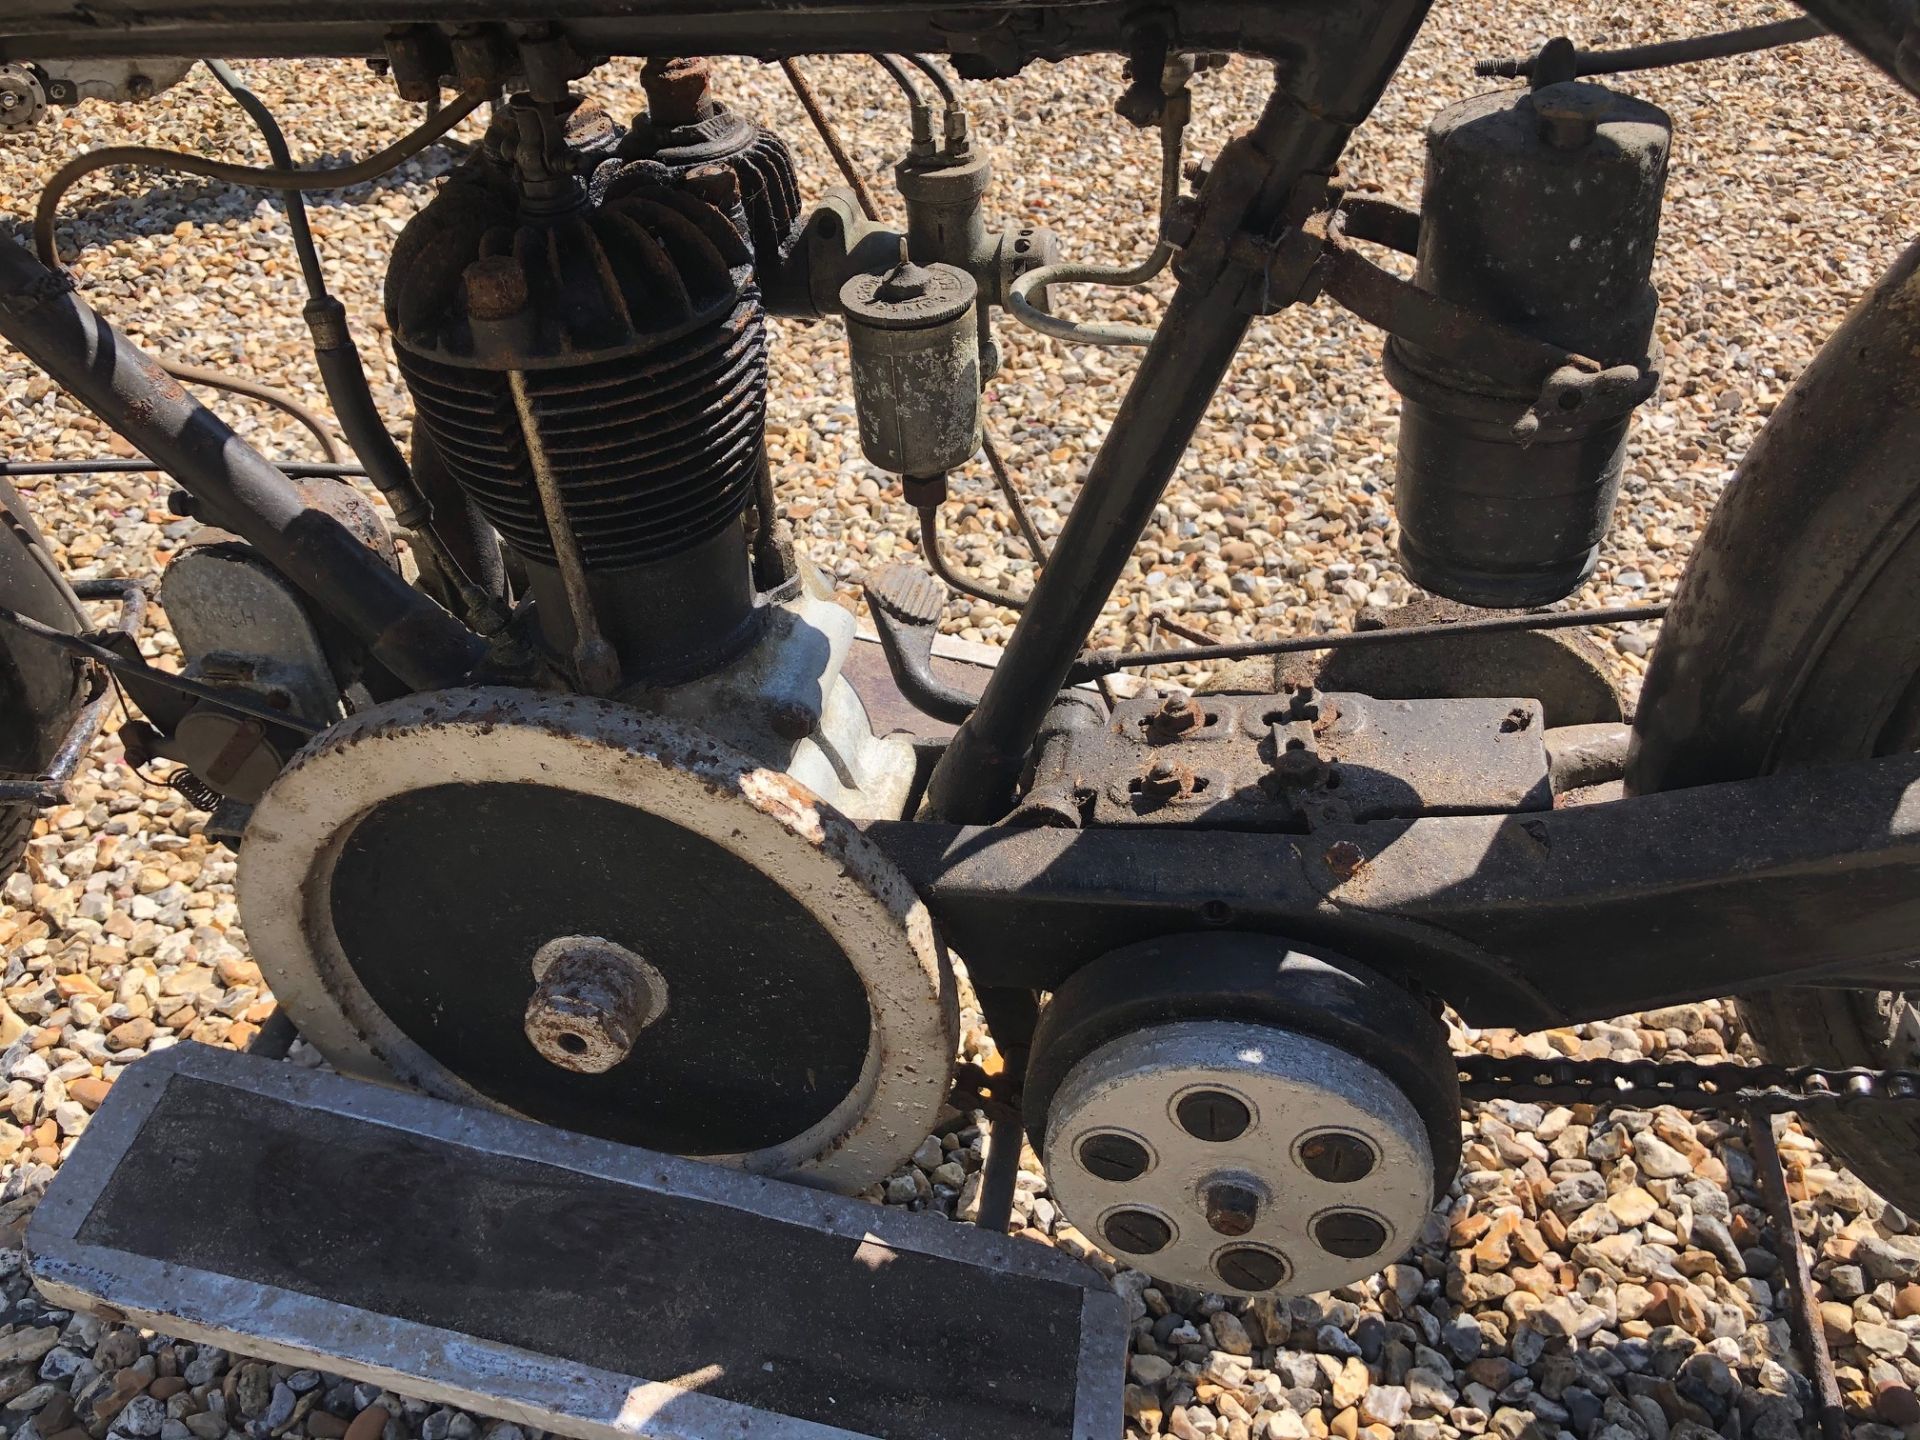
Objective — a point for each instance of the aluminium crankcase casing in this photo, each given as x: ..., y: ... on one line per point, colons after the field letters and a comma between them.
x: 1540, y: 211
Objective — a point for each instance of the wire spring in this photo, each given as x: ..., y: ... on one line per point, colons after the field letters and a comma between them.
x: 195, y: 791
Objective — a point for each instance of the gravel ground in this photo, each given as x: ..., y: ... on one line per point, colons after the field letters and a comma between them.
x: 1594, y: 1275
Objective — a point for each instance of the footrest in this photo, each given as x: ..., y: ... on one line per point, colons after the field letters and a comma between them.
x: 582, y: 1287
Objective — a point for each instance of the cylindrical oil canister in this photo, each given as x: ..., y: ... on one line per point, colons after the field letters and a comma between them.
x: 1540, y: 210
x: 916, y: 367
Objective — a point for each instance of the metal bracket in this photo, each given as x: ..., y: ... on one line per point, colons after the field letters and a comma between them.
x: 1316, y: 257
x: 50, y: 788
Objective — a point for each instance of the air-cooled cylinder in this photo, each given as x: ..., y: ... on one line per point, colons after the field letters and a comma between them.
x: 1540, y: 210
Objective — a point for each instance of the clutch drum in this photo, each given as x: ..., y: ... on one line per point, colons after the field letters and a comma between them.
x: 605, y: 921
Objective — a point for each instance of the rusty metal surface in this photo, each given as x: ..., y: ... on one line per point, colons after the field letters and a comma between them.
x: 1293, y: 761
x: 1529, y: 919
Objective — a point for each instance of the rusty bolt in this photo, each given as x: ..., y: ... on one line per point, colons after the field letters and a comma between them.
x: 677, y: 91
x: 1166, y: 780
x: 1570, y: 113
x: 1345, y: 859
x: 718, y: 185
x: 496, y: 287
x: 1177, y: 715
x: 1295, y: 769
x: 792, y: 720
x: 1232, y: 1208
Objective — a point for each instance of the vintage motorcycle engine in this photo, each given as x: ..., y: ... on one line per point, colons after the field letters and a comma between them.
x: 624, y: 910
x: 578, y: 317
x: 591, y: 366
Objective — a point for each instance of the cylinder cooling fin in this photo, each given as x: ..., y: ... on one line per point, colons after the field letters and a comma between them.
x: 657, y: 451
x: 578, y: 319
x: 684, y: 128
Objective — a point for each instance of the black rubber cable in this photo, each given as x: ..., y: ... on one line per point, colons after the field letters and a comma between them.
x: 1107, y: 662
x: 891, y: 64
x: 276, y: 141
x: 930, y: 547
x: 256, y: 177
x: 926, y: 67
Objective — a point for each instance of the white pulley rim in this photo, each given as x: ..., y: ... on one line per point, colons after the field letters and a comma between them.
x: 667, y: 768
x: 1302, y: 1101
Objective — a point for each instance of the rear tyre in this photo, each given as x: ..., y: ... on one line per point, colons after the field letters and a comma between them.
x: 1793, y: 641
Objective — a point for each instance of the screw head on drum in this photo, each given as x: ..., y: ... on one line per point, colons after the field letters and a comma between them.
x: 1239, y: 1157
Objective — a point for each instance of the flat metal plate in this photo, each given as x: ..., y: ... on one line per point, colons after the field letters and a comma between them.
x: 584, y: 1287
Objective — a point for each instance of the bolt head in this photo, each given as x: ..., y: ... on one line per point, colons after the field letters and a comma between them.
x: 1113, y: 1156
x: 1350, y: 1234
x: 1136, y: 1232
x: 1336, y: 1157
x: 1570, y: 113
x: 1213, y: 1115
x: 1232, y: 1207
x: 1248, y: 1267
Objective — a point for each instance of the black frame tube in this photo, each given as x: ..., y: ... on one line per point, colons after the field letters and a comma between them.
x: 238, y: 488
x: 1302, y: 131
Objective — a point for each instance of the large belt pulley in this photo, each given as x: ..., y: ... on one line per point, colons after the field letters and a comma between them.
x: 606, y: 921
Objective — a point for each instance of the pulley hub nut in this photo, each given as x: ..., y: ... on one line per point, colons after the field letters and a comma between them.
x: 592, y: 1000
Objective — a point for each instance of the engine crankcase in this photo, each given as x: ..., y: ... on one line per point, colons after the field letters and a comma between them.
x: 607, y: 921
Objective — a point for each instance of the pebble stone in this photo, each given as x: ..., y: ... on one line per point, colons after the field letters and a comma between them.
x: 1601, y: 1275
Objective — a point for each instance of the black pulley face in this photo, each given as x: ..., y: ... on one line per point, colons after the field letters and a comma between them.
x: 604, y: 921
x: 442, y: 898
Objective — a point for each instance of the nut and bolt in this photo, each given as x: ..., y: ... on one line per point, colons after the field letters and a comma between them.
x: 1232, y: 1207
x: 1297, y: 767
x: 1176, y: 715
x: 1303, y: 702
x: 592, y: 1000
x: 1166, y: 780
x: 1570, y: 113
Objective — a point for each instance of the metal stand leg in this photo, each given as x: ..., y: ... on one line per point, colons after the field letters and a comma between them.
x: 1001, y: 1172
x: 1805, y: 1321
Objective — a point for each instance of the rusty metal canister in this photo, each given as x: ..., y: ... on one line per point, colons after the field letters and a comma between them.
x: 1540, y: 210
x: 916, y: 367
